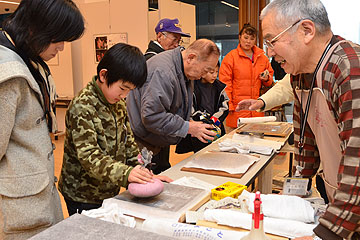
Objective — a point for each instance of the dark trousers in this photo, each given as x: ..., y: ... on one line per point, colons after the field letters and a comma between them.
x: 78, y: 207
x: 161, y: 160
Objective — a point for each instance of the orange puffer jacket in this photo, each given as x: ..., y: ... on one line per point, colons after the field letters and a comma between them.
x: 241, y: 76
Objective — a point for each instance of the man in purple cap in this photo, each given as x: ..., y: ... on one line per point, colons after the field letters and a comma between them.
x: 168, y: 36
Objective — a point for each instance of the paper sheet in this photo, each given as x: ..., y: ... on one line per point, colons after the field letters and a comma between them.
x: 233, y: 163
x: 229, y: 145
x: 256, y: 120
x: 171, y: 204
x: 225, y: 203
x: 255, y: 141
x: 187, y: 231
x: 110, y: 213
x: 193, y: 182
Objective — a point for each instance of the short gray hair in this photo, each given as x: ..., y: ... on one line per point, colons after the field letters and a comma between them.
x: 290, y: 11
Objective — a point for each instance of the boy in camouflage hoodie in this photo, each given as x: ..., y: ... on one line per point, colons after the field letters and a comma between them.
x: 100, y: 154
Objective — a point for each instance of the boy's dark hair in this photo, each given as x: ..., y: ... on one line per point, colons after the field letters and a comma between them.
x: 250, y: 30
x: 37, y: 23
x: 124, y: 62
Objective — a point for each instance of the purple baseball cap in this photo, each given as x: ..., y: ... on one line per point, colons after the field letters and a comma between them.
x: 170, y: 25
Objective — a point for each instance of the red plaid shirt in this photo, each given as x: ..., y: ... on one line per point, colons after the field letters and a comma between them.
x: 341, y: 86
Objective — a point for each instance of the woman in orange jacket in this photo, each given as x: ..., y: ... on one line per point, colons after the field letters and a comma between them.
x: 244, y: 70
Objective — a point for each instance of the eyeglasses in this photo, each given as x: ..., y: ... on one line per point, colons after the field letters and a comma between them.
x: 173, y: 39
x: 270, y: 43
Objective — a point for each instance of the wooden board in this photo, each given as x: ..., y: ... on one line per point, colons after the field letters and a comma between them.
x: 212, y: 172
x: 224, y: 164
x: 205, y: 223
x: 171, y: 204
x: 281, y: 129
x: 78, y: 226
x: 195, y: 207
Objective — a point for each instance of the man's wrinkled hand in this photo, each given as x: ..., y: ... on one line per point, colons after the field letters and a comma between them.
x: 201, y: 131
x: 249, y: 104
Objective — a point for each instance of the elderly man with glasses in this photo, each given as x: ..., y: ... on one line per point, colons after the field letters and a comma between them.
x: 325, y: 81
x: 168, y: 36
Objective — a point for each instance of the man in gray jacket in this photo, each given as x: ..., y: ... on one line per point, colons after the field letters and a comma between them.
x: 160, y: 110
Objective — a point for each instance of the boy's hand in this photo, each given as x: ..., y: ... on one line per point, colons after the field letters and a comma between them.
x: 163, y: 178
x: 140, y: 175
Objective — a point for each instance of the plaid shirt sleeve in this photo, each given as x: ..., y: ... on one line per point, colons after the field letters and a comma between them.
x: 341, y: 86
x: 342, y: 89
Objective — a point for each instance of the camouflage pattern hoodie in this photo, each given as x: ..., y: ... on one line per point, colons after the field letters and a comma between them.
x: 99, y: 149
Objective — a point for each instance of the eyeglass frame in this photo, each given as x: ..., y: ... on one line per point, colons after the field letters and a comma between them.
x: 270, y: 43
x: 181, y: 41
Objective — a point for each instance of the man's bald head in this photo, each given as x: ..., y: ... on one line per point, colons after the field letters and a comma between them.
x: 199, y: 58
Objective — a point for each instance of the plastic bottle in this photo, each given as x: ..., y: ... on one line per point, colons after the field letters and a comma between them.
x: 257, y: 228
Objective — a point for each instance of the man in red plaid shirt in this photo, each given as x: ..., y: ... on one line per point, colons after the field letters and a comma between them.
x: 325, y: 73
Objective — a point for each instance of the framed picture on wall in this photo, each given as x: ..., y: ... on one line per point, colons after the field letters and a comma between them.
x: 105, y: 41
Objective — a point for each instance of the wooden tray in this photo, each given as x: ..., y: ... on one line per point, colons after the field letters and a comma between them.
x: 205, y: 223
x: 172, y: 203
x: 281, y: 129
x: 212, y: 172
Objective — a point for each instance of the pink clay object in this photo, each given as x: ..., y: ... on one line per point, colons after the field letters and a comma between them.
x: 149, y: 189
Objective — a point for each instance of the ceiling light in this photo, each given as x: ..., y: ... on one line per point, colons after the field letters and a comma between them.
x: 229, y: 4
x: 15, y: 3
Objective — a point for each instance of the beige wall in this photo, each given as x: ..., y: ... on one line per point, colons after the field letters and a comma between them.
x: 76, y: 64
x: 153, y: 18
x: 104, y: 18
x: 61, y: 69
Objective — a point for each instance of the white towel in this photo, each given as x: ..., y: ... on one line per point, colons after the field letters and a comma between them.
x: 281, y: 206
x: 281, y: 227
x: 229, y: 145
x: 251, y: 140
x: 223, y: 161
x: 112, y: 213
